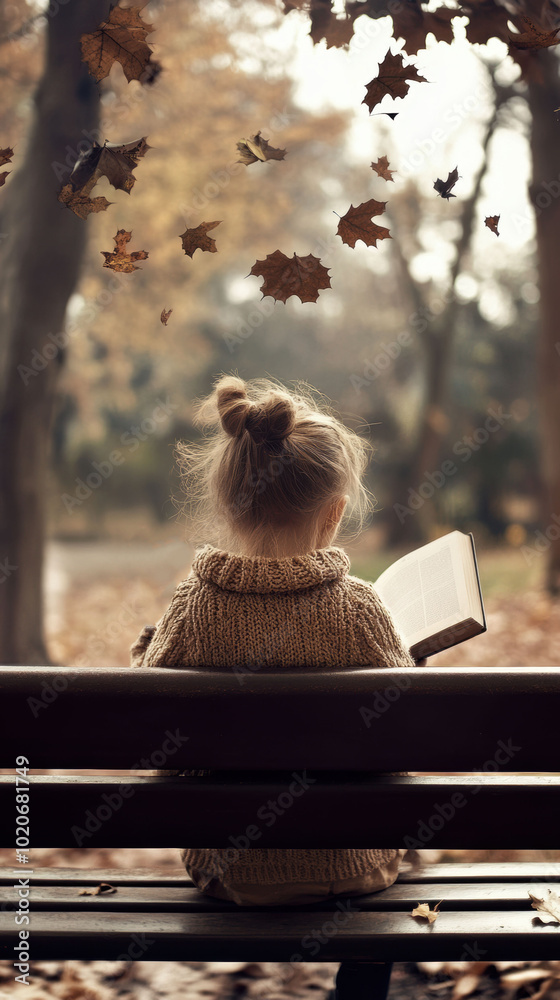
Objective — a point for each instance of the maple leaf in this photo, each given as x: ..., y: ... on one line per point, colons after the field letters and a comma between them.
x: 382, y: 168
x: 357, y: 225
x: 121, y: 38
x: 119, y: 259
x: 444, y: 187
x: 5, y: 157
x: 285, y: 276
x: 423, y: 910
x: 487, y: 19
x: 103, y: 887
x: 551, y: 906
x: 196, y: 239
x: 492, y: 222
x: 533, y: 37
x: 413, y: 24
x: 391, y: 79
x: 81, y: 204
x: 165, y: 314
x: 255, y: 149
x: 111, y: 160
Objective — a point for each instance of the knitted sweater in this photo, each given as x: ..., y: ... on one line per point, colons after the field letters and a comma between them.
x: 290, y: 612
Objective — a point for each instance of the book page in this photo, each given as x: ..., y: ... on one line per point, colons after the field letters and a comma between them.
x: 425, y: 591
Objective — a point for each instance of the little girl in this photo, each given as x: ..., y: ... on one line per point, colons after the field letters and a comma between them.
x: 273, y: 479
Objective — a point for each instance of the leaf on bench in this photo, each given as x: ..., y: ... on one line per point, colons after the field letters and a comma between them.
x: 423, y: 910
x: 103, y: 887
x: 550, y: 905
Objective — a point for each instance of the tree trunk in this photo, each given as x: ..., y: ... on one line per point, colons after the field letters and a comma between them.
x: 41, y: 257
x: 544, y: 98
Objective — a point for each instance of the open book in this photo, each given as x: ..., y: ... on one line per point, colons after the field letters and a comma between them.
x: 434, y: 595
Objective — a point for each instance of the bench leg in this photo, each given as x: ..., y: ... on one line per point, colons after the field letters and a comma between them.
x: 363, y: 980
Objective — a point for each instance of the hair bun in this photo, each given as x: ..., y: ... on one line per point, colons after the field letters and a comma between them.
x: 271, y: 420
x: 232, y: 404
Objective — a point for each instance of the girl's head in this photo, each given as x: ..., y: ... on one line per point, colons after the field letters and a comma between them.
x: 275, y: 471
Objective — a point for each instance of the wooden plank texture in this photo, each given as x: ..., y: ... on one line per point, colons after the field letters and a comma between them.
x: 278, y: 936
x: 301, y: 809
x: 357, y: 719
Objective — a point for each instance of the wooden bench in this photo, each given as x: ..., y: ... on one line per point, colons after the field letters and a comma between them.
x: 322, y: 732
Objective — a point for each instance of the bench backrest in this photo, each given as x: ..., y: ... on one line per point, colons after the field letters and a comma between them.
x: 311, y: 740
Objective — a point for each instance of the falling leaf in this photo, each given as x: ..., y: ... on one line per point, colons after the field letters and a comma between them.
x: 357, y: 225
x: 391, y: 79
x: 382, y: 168
x: 165, y: 314
x: 423, y: 910
x: 196, y: 239
x: 103, y: 887
x: 412, y: 24
x: 113, y: 161
x: 390, y: 114
x: 119, y: 259
x: 492, y: 222
x: 5, y: 157
x: 444, y: 187
x: 121, y: 38
x: 550, y: 905
x: 533, y: 37
x: 81, y: 204
x: 285, y: 276
x: 255, y: 149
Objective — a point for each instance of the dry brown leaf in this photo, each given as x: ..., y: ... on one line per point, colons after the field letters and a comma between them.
x: 532, y: 37
x: 254, y: 149
x: 286, y: 276
x: 492, y: 222
x: 392, y: 78
x: 423, y: 910
x: 443, y: 188
x: 382, y: 168
x: 119, y: 259
x: 196, y: 239
x: 357, y: 225
x: 102, y: 888
x: 470, y: 981
x: 412, y: 24
x: 121, y: 38
x: 113, y: 161
x: 551, y: 905
x: 487, y: 19
x: 5, y: 157
x: 165, y: 314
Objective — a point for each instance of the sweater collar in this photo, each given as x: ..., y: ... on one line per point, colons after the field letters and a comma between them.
x: 261, y: 575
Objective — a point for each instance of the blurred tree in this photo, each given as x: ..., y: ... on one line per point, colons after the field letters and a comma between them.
x: 39, y: 267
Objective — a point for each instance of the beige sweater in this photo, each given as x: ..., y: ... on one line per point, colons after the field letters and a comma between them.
x: 298, y: 611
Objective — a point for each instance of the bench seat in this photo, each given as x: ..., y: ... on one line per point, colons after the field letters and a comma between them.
x: 154, y: 915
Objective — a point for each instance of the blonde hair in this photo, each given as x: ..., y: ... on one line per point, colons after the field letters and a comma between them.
x: 271, y: 466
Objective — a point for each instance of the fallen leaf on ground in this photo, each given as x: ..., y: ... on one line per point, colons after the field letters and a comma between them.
x: 165, y: 314
x: 423, y: 910
x: 113, y: 161
x: 255, y: 148
x: 492, y: 222
x: 121, y: 38
x: 357, y: 224
x: 393, y: 78
x: 551, y: 905
x: 286, y: 276
x: 196, y: 239
x: 382, y: 168
x: 103, y: 887
x: 119, y: 259
x: 443, y: 188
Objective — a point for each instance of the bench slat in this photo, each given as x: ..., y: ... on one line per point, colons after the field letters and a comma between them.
x: 479, y: 896
x: 502, y: 871
x: 318, y: 811
x: 313, y: 718
x: 279, y: 937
